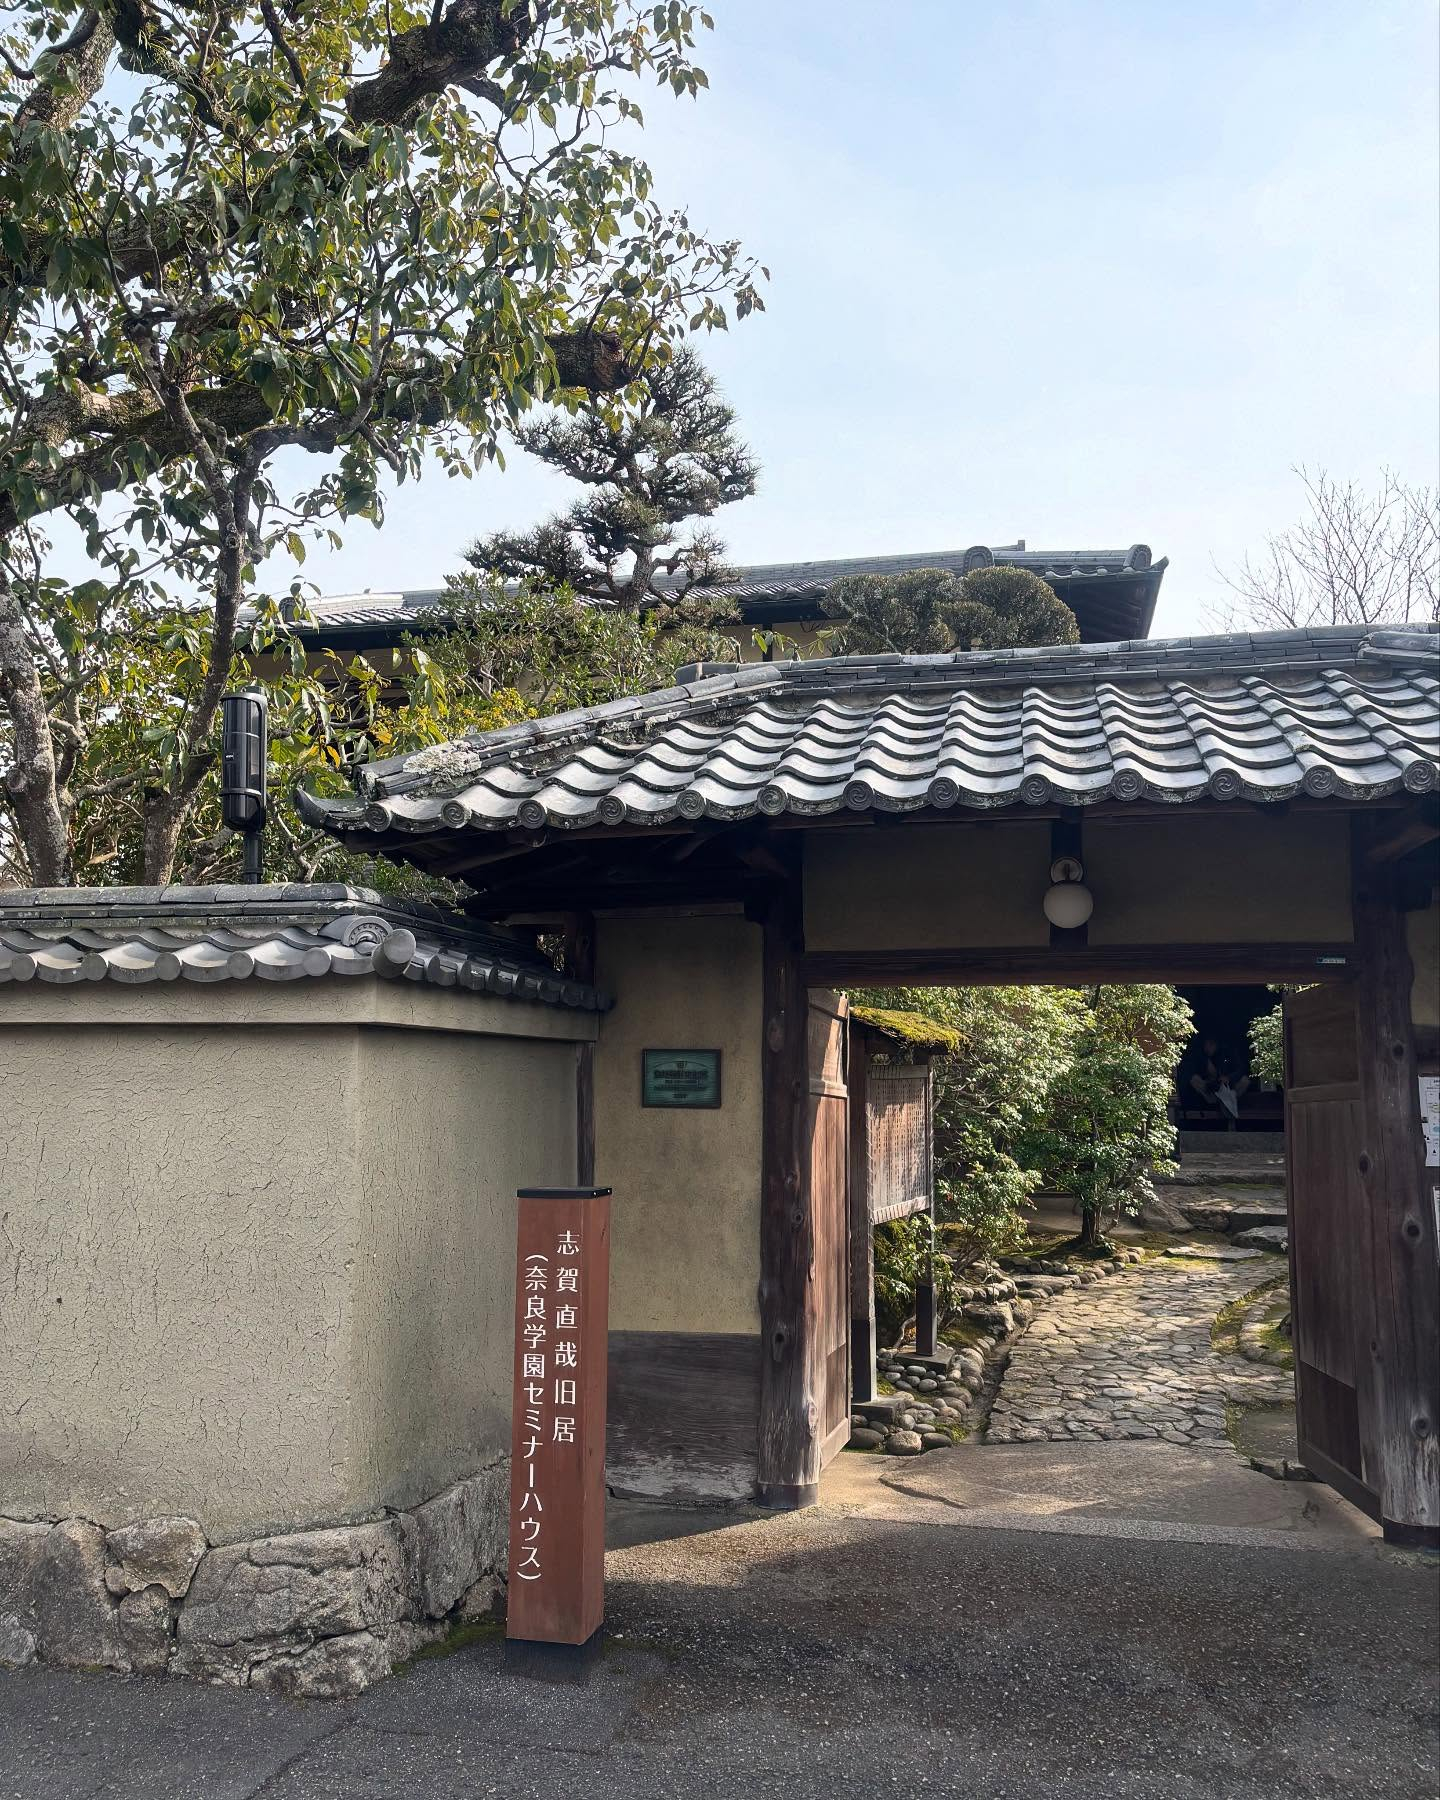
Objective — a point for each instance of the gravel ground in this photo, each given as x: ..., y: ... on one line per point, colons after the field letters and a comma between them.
x: 830, y: 1653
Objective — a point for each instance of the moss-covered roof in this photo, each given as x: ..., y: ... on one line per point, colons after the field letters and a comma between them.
x: 911, y: 1029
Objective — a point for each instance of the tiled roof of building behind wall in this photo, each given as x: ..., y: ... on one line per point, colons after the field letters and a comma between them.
x: 1265, y: 716
x: 138, y: 935
x: 1112, y: 592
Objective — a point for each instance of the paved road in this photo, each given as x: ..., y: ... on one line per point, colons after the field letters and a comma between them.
x: 1130, y: 1357
x: 878, y: 1644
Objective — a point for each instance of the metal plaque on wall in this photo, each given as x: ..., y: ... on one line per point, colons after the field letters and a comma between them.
x: 680, y: 1078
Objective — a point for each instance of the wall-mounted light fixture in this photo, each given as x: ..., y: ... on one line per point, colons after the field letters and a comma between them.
x: 1068, y: 902
x: 244, y: 749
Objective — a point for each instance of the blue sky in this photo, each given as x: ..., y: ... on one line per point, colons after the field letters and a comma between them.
x: 1082, y: 271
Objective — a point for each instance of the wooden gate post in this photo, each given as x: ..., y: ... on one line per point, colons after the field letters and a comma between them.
x: 556, y: 1589
x: 788, y: 1447
x: 1404, y: 1385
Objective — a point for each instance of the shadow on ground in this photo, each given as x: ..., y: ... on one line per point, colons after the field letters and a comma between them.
x: 963, y: 1642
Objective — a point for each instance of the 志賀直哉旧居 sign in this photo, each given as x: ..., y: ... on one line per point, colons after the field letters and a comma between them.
x: 680, y: 1078
x: 557, y: 1443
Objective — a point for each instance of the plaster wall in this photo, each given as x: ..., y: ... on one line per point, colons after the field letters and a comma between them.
x: 250, y: 1268
x: 1196, y: 878
x: 927, y: 887
x: 1212, y: 879
x: 176, y: 1218
x: 685, y: 1219
x: 448, y: 1129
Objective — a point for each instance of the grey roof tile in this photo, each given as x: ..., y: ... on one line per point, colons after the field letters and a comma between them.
x: 1315, y: 712
x: 140, y: 935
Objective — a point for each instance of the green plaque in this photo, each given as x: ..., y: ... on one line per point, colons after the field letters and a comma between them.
x: 680, y: 1078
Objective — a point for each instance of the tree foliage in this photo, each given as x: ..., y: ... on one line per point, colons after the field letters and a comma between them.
x: 490, y: 658
x: 676, y: 458
x: 990, y: 1097
x: 1267, y: 1046
x: 1357, y: 557
x: 932, y: 611
x: 236, y: 236
x: 1106, y: 1131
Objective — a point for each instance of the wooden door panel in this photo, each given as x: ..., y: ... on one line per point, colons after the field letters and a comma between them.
x: 1330, y: 1285
x: 829, y: 1177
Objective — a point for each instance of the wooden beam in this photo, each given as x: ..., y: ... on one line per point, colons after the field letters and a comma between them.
x: 1076, y: 966
x: 789, y: 1427
x: 1404, y: 1384
x: 1405, y: 832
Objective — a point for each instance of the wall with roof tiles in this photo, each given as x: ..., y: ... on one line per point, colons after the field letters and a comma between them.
x: 685, y: 1249
x: 256, y: 1261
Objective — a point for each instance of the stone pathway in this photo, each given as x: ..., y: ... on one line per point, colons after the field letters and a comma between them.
x: 1131, y: 1358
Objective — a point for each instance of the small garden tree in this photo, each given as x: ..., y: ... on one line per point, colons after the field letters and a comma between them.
x: 1267, y: 1046
x: 676, y: 458
x: 1106, y: 1130
x: 931, y: 611
x: 1012, y: 1044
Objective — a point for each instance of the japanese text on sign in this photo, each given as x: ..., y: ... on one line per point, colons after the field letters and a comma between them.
x: 549, y: 1365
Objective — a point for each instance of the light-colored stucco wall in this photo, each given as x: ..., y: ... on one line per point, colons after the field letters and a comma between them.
x: 1195, y: 878
x: 448, y: 1130
x: 1211, y: 879
x: 252, y: 1247
x: 685, y: 1218
x: 927, y: 887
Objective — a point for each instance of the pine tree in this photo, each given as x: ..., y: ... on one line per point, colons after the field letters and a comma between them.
x: 675, y: 459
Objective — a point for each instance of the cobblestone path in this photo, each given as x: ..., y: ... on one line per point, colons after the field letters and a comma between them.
x: 1130, y: 1357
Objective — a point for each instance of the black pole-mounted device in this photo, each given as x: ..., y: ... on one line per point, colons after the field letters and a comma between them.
x: 244, y: 742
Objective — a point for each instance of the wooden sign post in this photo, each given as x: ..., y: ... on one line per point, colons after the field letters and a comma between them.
x: 557, y: 1442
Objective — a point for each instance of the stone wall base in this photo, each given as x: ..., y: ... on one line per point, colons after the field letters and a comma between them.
x: 320, y: 1613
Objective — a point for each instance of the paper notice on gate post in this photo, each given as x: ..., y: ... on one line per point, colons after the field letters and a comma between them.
x: 1430, y: 1118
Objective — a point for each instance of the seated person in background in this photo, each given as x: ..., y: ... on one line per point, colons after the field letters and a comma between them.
x: 1219, y: 1079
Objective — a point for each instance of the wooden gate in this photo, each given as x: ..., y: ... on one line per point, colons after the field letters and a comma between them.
x: 1330, y: 1256
x: 829, y: 1286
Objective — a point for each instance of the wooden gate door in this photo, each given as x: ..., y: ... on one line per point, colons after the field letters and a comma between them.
x: 1331, y: 1291
x: 829, y: 1287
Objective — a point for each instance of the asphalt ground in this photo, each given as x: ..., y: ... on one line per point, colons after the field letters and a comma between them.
x: 1005, y: 1628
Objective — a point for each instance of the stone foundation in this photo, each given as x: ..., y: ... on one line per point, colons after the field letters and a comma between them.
x: 320, y: 1613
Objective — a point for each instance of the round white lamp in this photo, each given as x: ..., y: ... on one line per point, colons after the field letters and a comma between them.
x: 1068, y: 902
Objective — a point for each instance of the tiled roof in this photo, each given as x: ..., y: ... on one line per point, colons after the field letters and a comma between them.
x: 1261, y: 716
x: 269, y: 933
x: 799, y: 589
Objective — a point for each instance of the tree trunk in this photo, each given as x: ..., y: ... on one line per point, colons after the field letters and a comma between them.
x: 164, y: 818
x: 41, y: 810
x: 1089, y: 1227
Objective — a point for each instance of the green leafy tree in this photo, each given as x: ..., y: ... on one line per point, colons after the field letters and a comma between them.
x: 563, y: 652
x: 1267, y: 1046
x: 1107, y: 1132
x: 932, y: 611
x: 234, y: 237
x: 1014, y: 1043
x: 676, y: 458
x: 499, y: 657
